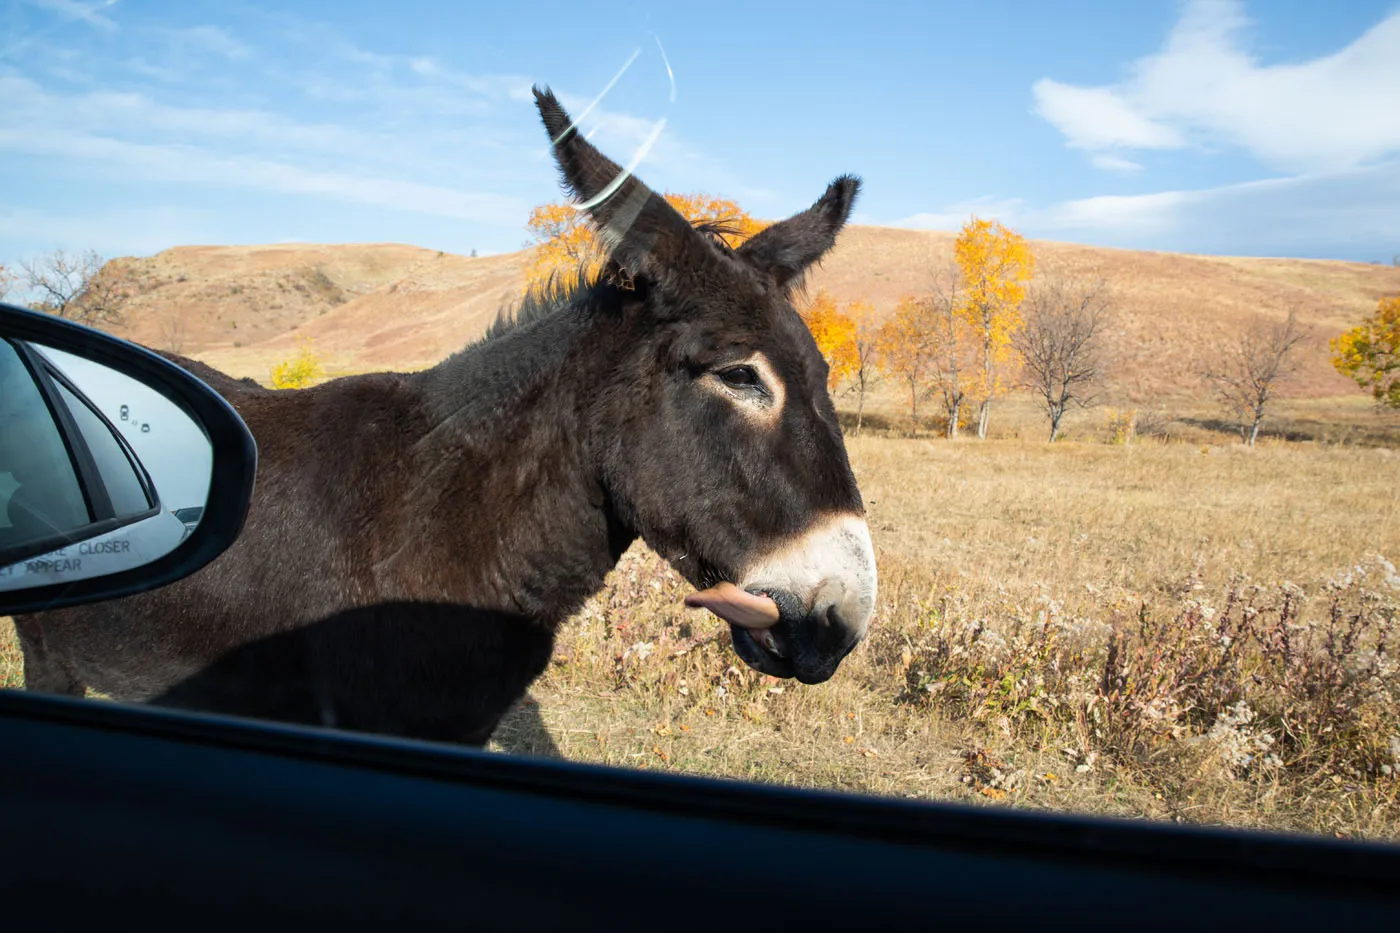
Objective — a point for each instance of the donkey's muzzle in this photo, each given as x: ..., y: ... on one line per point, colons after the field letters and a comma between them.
x: 824, y: 583
x: 805, y: 644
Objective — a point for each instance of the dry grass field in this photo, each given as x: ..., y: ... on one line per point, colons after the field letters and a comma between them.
x: 1176, y: 627
x: 1167, y: 630
x: 1175, y: 630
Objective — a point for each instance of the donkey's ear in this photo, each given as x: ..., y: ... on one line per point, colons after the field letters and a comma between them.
x: 787, y: 248
x: 643, y: 232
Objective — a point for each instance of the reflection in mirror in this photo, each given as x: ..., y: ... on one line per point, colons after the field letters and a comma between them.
x: 94, y: 462
x: 39, y: 490
x: 171, y: 446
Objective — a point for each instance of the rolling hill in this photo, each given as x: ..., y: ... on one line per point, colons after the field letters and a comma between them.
x: 389, y: 306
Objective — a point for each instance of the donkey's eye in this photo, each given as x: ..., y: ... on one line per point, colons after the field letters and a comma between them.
x: 739, y: 377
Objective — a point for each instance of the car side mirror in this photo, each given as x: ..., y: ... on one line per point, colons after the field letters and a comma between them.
x: 119, y: 471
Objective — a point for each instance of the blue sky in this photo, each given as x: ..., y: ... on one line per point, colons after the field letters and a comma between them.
x: 1264, y: 128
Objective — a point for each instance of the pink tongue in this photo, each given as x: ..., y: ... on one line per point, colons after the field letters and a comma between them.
x: 736, y: 606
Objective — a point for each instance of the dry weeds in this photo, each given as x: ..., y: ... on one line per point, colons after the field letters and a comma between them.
x: 1151, y: 630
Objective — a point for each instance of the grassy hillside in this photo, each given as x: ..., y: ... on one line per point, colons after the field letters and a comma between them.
x: 385, y: 306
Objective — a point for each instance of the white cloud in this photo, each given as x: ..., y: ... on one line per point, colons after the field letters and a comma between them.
x: 1009, y: 211
x: 1138, y: 215
x: 1205, y: 89
x: 513, y: 87
x: 405, y: 87
x: 193, y: 165
x: 212, y: 39
x: 90, y: 13
x: 141, y: 66
x: 1100, y: 118
x: 471, y: 155
x: 134, y: 230
x: 669, y: 162
x: 1113, y: 163
x: 419, y: 137
x: 24, y: 103
x: 128, y: 135
x: 1344, y: 215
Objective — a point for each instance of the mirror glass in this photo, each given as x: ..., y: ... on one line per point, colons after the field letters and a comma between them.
x: 99, y: 473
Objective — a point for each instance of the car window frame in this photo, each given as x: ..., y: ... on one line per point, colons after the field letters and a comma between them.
x: 442, y: 793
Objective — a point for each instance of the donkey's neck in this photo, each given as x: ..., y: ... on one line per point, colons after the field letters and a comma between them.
x: 513, y: 516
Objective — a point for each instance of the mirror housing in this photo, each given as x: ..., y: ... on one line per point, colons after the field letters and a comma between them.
x: 156, y: 504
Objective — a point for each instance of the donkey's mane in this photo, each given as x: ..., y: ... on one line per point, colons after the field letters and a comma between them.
x: 543, y: 300
x: 562, y: 290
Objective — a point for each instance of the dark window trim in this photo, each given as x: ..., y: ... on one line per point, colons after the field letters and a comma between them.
x: 1240, y: 855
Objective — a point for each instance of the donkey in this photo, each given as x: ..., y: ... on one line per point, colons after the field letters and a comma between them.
x: 416, y: 540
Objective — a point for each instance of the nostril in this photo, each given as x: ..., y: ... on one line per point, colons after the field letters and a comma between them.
x: 834, y: 634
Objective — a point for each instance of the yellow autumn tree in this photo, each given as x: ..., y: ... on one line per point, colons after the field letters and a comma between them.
x: 565, y: 242
x: 1370, y: 354
x: 737, y: 224
x: 7, y: 282
x: 908, y: 346
x: 299, y: 371
x: 996, y: 264
x: 835, y: 334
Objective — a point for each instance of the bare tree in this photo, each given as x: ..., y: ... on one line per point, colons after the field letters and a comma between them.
x: 1061, y: 342
x: 1249, y: 369
x: 173, y: 333
x: 867, y: 339
x: 76, y: 286
x: 7, y: 282
x: 906, y: 346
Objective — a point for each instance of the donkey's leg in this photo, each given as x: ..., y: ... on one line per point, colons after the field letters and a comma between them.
x: 44, y: 670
